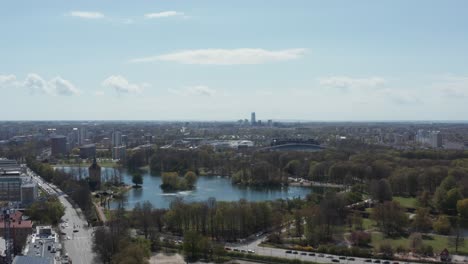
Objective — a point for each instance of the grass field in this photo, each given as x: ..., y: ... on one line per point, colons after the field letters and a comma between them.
x: 406, y: 202
x: 367, y: 223
x: 437, y: 242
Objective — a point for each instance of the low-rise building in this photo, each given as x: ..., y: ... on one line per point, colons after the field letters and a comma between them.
x: 119, y: 153
x: 20, y: 229
x: 88, y: 151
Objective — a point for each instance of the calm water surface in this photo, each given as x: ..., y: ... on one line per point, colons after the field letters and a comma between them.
x: 206, y: 187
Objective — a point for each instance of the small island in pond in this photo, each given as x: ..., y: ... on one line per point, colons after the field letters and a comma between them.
x: 171, y: 181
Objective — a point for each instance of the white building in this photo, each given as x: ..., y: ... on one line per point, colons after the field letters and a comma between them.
x: 116, y: 139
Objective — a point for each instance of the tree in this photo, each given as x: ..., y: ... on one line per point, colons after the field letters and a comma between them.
x: 424, y: 199
x: 442, y: 225
x: 292, y: 168
x: 142, y: 215
x: 462, y: 208
x: 422, y: 221
x: 46, y: 212
x: 381, y: 190
x: 191, y: 245
x: 137, y: 251
x: 390, y: 218
x: 298, y: 224
x: 457, y: 240
x: 453, y: 196
x: 137, y: 179
x: 386, y: 250
x: 415, y: 241
x: 190, y: 179
x: 360, y: 238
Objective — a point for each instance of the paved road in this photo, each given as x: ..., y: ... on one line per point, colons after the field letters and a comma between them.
x: 79, y: 245
x: 319, y: 258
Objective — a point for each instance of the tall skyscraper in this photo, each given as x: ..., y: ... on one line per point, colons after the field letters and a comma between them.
x: 82, y: 136
x: 116, y: 139
x: 252, y: 119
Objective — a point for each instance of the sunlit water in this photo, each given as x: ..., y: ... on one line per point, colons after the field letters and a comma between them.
x: 207, y: 186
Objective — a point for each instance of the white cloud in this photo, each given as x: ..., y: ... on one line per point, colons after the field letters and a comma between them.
x: 86, y: 14
x: 122, y: 85
x: 61, y: 86
x: 164, y: 14
x: 197, y: 90
x: 344, y: 82
x: 8, y: 80
x: 36, y: 84
x: 56, y: 86
x: 226, y: 56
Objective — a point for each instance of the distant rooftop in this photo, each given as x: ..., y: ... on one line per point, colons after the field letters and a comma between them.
x: 30, y: 260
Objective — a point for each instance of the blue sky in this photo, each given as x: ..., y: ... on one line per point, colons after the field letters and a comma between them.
x: 220, y: 60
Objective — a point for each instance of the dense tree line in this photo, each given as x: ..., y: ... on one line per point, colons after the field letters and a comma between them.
x: 77, y: 189
x: 113, y: 243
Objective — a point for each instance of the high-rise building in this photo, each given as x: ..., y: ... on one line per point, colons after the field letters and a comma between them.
x: 116, y: 139
x: 435, y: 139
x: 82, y: 136
x: 252, y: 119
x: 58, y: 145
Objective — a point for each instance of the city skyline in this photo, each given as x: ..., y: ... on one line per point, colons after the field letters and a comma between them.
x: 308, y: 61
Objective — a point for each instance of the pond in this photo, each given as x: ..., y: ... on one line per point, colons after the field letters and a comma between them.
x: 207, y: 186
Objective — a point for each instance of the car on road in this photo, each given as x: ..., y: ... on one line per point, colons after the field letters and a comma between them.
x: 250, y: 251
x: 368, y: 260
x: 237, y: 250
x: 386, y: 262
x: 303, y: 254
x: 312, y: 254
x: 295, y: 253
x: 226, y: 248
x: 288, y: 251
x: 75, y: 231
x: 351, y: 259
x: 336, y: 260
x: 321, y: 255
x: 377, y: 261
x: 243, y: 250
x: 342, y: 257
x: 68, y: 238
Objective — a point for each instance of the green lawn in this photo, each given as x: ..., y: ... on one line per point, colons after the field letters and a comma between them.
x: 437, y: 242
x: 409, y: 202
x: 367, y: 223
